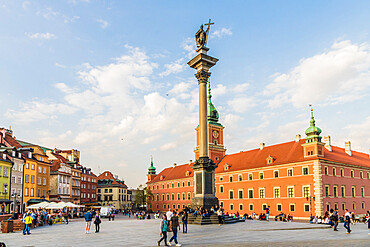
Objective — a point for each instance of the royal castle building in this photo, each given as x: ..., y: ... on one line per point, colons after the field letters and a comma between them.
x: 300, y: 177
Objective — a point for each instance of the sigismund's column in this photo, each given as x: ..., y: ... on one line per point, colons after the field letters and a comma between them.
x: 204, y: 167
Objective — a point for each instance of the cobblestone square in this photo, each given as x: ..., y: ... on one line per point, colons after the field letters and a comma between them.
x: 132, y: 232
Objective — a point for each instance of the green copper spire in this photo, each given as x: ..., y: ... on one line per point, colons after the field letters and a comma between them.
x: 152, y: 169
x: 313, y: 132
x: 211, y: 109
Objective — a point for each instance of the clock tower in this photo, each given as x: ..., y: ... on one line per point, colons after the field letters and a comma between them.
x: 216, y: 149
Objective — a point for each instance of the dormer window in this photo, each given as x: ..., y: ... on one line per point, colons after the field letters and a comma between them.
x: 161, y: 177
x: 270, y: 159
x: 30, y: 155
x: 187, y: 173
x: 227, y: 167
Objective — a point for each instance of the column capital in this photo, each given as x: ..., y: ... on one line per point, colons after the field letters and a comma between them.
x: 202, y: 76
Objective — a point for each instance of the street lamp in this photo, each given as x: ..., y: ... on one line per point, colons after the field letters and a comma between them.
x: 15, y: 195
x: 310, y: 198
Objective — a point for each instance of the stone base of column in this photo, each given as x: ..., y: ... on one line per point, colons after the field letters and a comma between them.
x: 204, y: 202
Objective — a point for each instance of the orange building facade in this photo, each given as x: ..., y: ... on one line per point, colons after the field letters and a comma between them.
x: 300, y: 177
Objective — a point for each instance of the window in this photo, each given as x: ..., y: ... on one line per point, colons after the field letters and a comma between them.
x: 26, y: 191
x: 188, y: 183
x: 33, y: 166
x: 168, y: 186
x: 306, y: 191
x: 335, y: 191
x: 221, y: 189
x: 240, y: 177
x: 251, y: 207
x: 172, y: 185
x: 231, y: 194
x: 178, y: 196
x: 38, y: 193
x: 343, y: 188
x: 110, y: 190
x: 44, y: 170
x: 13, y: 180
x: 5, y: 171
x: 290, y: 172
x: 221, y: 178
x: 307, y: 207
x: 261, y: 175
x: 278, y: 207
x: 334, y: 171
x: 341, y: 172
x: 277, y: 192
x: 32, y: 179
x: 362, y: 191
x: 291, y: 207
x: 168, y: 197
x: 231, y: 207
x: 250, y: 193
x: 240, y: 207
x: 343, y: 206
x: 326, y: 170
x: 39, y: 181
x: 305, y: 170
x: 188, y: 195
x: 262, y: 193
x: 354, y: 206
x: 221, y: 204
x: 178, y: 185
x: 20, y: 180
x: 27, y: 166
x: 40, y: 169
x: 183, y: 185
x: 336, y: 206
x: 162, y: 197
x: 172, y: 196
x: 353, y: 191
x: 352, y: 173
x: 276, y: 174
x: 241, y: 196
x: 250, y: 176
x: 32, y: 192
x: 230, y: 179
x: 361, y: 175
x: 363, y: 205
x: 183, y: 195
x: 327, y: 190
x: 290, y: 192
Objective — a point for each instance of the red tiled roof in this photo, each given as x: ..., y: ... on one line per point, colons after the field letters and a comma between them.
x: 55, y: 166
x: 109, y: 175
x: 60, y: 157
x: 11, y: 140
x: 176, y: 172
x: 284, y: 153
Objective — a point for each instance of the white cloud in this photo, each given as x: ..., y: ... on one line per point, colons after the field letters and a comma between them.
x: 174, y: 67
x: 71, y: 19
x: 339, y: 75
x: 60, y: 65
x: 359, y: 135
x: 47, y: 13
x: 103, y: 23
x: 41, y: 36
x: 189, y: 46
x: 220, y: 33
x: 241, y: 104
x: 63, y: 87
x: 37, y: 110
x: 25, y: 4
x: 168, y: 146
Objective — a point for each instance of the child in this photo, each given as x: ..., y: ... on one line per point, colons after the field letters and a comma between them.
x: 164, y: 229
x: 28, y: 222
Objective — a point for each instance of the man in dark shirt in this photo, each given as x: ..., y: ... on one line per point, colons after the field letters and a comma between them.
x: 174, y: 224
x: 88, y: 218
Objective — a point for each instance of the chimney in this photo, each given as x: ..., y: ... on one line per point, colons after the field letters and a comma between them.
x: 297, y: 137
x: 262, y: 145
x: 348, y: 148
x: 190, y: 161
x: 174, y: 164
x: 327, y: 141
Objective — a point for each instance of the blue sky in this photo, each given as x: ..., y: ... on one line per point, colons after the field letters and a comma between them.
x: 110, y: 78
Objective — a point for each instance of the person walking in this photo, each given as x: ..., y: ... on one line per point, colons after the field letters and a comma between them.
x: 97, y: 221
x: 164, y: 229
x: 185, y: 221
x: 174, y: 224
x: 169, y: 215
x: 28, y: 222
x: 335, y: 219
x: 267, y: 213
x: 88, y: 218
x: 347, y: 221
x: 368, y: 220
x: 219, y: 215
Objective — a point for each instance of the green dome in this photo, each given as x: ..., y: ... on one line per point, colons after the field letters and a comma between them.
x: 151, y: 169
x: 212, y: 113
x: 313, y: 132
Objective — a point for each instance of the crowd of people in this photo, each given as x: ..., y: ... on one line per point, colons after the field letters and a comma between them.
x: 332, y: 218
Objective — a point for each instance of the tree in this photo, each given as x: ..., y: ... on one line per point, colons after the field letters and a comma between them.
x: 143, y: 196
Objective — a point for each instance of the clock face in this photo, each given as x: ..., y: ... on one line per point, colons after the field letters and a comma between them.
x: 215, y: 134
